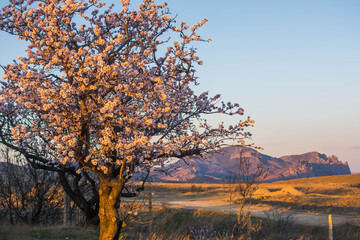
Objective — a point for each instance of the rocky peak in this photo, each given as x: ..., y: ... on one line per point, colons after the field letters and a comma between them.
x: 217, y: 166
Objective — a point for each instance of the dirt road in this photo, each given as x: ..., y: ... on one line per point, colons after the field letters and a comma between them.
x: 305, y: 218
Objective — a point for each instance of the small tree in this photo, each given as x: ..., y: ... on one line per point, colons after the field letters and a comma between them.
x: 245, y: 180
x: 107, y: 92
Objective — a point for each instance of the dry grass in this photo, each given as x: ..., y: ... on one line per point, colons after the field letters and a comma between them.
x: 183, y: 224
x: 20, y: 232
x: 335, y: 194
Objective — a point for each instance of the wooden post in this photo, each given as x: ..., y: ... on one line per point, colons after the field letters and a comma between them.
x: 150, y: 212
x: 76, y: 215
x: 230, y: 203
x: 330, y: 228
x: 66, y: 209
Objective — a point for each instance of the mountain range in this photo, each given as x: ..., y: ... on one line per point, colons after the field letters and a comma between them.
x: 216, y: 167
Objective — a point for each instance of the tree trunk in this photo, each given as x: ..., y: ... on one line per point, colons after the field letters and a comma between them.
x: 110, y: 223
x: 89, y: 208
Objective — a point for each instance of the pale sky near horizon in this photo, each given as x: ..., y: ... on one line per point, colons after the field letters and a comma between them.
x: 292, y: 65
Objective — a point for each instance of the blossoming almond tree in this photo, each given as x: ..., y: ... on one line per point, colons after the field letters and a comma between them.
x: 109, y: 90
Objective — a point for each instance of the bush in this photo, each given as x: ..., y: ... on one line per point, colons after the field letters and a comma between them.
x: 277, y: 222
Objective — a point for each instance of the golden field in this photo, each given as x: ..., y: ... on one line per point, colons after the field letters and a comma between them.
x: 332, y: 194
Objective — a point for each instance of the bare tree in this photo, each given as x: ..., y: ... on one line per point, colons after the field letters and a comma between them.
x: 28, y: 195
x: 244, y: 183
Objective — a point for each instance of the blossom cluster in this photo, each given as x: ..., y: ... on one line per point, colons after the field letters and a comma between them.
x: 109, y: 89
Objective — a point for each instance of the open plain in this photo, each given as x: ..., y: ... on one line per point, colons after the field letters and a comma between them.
x: 310, y: 200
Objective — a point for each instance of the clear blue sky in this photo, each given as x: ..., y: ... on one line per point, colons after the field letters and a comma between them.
x: 294, y: 66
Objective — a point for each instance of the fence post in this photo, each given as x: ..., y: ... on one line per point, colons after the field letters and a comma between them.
x: 230, y: 203
x: 330, y: 228
x: 150, y: 212
x: 66, y: 209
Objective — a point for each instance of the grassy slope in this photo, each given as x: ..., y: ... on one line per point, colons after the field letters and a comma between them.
x: 337, y: 179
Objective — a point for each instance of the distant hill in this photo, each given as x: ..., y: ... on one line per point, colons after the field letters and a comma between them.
x: 216, y: 167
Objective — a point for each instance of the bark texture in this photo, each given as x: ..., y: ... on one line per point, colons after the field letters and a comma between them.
x: 110, y: 223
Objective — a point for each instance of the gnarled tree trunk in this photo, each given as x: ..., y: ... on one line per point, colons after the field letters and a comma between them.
x: 88, y: 207
x: 110, y: 223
